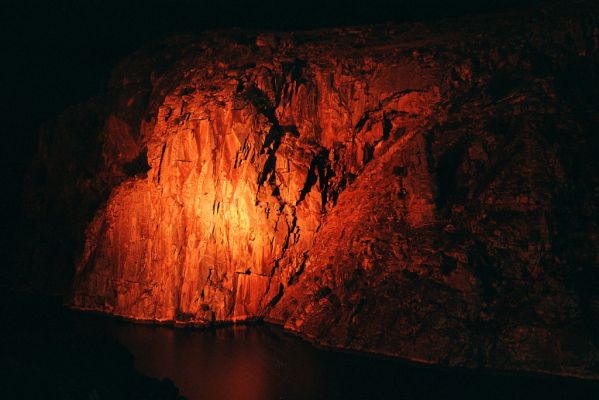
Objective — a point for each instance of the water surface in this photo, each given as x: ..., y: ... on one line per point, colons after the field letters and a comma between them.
x: 260, y: 362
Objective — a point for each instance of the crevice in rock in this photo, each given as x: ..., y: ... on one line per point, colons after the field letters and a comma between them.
x: 276, y: 298
x: 160, y: 162
x: 138, y: 166
x: 268, y: 169
x: 447, y: 170
x: 295, y: 276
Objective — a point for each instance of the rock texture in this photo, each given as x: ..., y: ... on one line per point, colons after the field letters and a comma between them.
x: 425, y: 191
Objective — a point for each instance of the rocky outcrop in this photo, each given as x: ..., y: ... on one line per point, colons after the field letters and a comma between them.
x: 425, y: 191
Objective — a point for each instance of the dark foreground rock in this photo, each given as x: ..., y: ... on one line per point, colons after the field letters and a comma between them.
x: 43, y: 357
x: 425, y: 191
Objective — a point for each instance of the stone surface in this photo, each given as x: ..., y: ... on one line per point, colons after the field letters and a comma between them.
x: 425, y: 191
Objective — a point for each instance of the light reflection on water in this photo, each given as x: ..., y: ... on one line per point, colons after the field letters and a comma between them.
x: 260, y: 363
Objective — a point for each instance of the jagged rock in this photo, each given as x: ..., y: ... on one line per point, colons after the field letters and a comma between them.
x: 422, y: 191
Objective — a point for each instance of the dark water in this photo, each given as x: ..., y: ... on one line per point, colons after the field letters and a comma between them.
x: 261, y: 363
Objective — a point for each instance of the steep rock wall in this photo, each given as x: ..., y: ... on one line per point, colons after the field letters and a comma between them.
x: 421, y: 191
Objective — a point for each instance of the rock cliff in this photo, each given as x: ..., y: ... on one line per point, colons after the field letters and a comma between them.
x: 427, y: 191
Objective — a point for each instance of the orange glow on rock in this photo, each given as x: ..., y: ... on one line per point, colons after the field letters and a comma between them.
x: 237, y: 188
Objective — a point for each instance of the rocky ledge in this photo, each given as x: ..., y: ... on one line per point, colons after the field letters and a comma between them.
x: 428, y: 191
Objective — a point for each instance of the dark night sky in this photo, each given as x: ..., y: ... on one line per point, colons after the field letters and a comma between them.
x: 56, y: 53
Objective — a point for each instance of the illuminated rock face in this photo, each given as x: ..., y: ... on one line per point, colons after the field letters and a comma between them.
x: 408, y: 191
x: 243, y: 165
